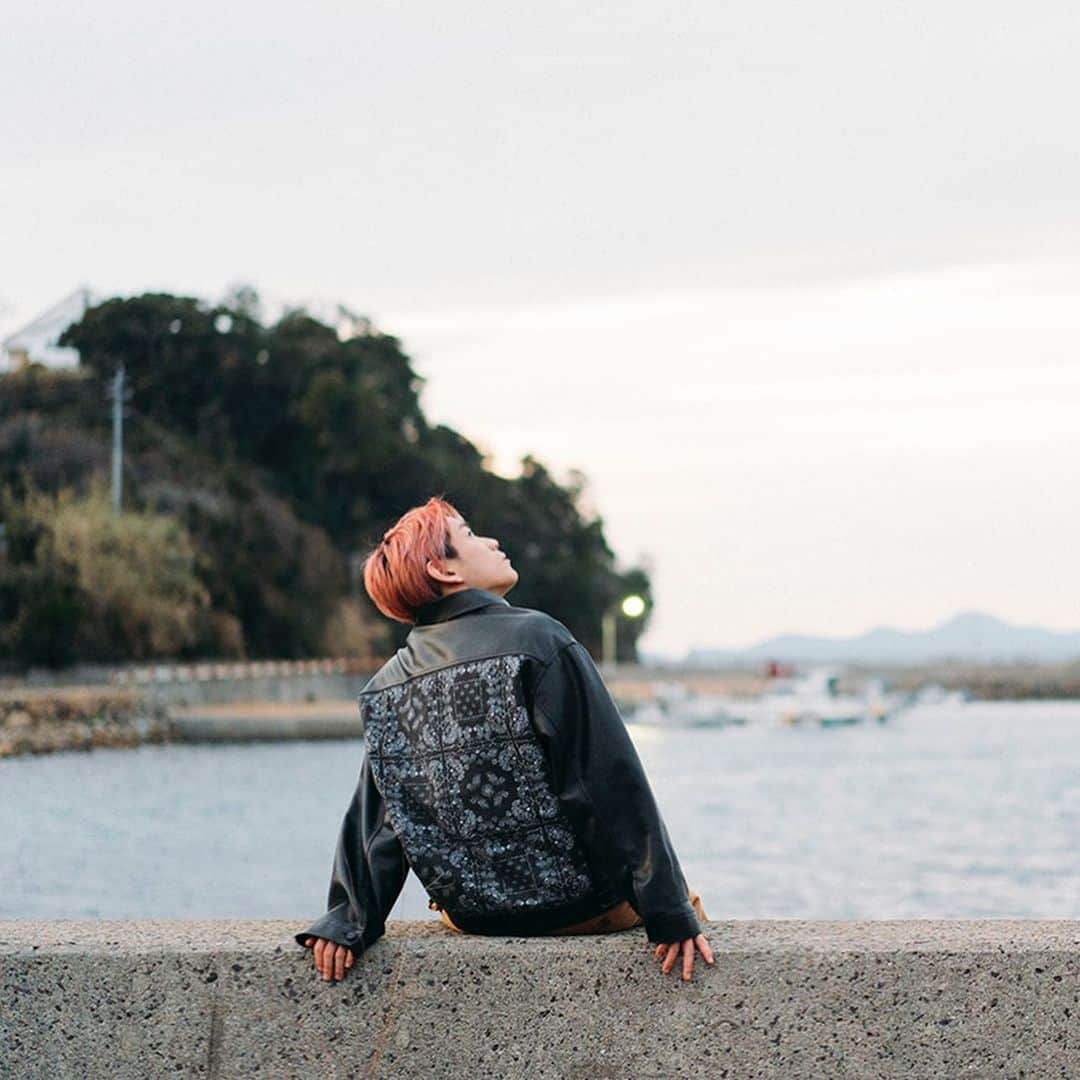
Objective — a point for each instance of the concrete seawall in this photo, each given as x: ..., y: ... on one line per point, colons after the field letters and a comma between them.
x: 786, y: 999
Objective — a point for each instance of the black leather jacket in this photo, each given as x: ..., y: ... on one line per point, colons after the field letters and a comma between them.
x: 498, y: 768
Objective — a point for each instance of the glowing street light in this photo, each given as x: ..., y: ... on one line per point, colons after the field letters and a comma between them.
x: 633, y: 607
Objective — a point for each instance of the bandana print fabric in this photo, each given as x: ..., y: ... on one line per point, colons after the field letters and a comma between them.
x: 466, y: 789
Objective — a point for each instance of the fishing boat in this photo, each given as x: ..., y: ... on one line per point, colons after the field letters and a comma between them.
x: 813, y: 699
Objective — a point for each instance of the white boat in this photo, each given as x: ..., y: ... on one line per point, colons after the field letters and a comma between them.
x: 674, y: 705
x: 816, y: 699
x: 936, y: 694
x: 813, y: 699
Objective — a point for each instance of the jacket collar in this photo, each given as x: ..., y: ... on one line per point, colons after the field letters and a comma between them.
x: 457, y: 603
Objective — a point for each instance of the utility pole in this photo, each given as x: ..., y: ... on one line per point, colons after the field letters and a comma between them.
x: 608, y: 637
x: 119, y: 396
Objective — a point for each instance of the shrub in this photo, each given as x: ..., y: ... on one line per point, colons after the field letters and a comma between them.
x: 106, y: 585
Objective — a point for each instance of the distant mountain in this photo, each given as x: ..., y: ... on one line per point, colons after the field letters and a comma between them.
x: 970, y: 636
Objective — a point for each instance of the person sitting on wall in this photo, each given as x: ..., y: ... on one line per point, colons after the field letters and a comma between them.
x: 497, y: 767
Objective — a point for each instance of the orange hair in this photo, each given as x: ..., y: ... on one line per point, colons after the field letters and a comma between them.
x: 395, y: 573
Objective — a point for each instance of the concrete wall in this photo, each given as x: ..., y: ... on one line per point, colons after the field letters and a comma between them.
x: 292, y: 689
x: 215, y: 682
x: 785, y: 999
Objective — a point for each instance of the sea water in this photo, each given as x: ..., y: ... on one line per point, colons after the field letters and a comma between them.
x: 965, y: 812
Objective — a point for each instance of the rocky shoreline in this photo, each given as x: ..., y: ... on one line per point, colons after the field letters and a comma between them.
x: 37, y: 722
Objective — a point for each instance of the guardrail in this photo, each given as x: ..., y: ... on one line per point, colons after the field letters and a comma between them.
x: 205, y: 672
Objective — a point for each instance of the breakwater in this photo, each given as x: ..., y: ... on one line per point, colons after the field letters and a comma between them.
x: 251, y: 702
x: 78, y: 718
x: 90, y: 719
x: 267, y: 700
x: 786, y: 999
x: 206, y: 702
x: 990, y: 682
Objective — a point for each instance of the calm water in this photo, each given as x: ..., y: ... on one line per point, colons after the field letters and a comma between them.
x: 968, y: 813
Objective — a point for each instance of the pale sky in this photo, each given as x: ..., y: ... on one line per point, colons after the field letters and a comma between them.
x: 796, y: 286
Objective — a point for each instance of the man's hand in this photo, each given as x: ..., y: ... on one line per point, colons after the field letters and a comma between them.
x: 668, y: 954
x: 331, y: 959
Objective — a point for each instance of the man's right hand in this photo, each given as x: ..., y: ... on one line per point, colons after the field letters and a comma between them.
x: 668, y: 954
x: 331, y: 959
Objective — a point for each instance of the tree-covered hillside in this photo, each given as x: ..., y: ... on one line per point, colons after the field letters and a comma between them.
x: 266, y: 460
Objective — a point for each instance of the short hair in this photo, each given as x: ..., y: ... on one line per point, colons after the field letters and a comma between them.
x: 395, y: 573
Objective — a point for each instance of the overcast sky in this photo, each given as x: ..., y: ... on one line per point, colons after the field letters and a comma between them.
x: 795, y: 285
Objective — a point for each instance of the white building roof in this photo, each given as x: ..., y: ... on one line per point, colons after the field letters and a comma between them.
x: 36, y: 342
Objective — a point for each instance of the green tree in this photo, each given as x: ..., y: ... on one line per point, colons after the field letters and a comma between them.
x: 114, y: 586
x: 287, y: 449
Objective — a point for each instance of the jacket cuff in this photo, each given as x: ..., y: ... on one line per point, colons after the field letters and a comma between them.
x: 334, y: 926
x: 666, y: 927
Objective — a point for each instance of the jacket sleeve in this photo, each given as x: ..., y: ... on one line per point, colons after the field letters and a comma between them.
x: 598, y: 771
x: 369, y: 871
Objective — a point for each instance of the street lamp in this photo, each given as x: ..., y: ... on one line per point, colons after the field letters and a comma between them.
x: 633, y: 607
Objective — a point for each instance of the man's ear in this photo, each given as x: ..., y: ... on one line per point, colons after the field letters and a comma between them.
x: 442, y: 574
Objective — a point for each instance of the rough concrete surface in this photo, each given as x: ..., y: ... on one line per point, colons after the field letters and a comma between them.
x: 785, y: 999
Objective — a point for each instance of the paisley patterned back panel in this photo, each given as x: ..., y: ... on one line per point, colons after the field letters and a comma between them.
x: 467, y: 790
